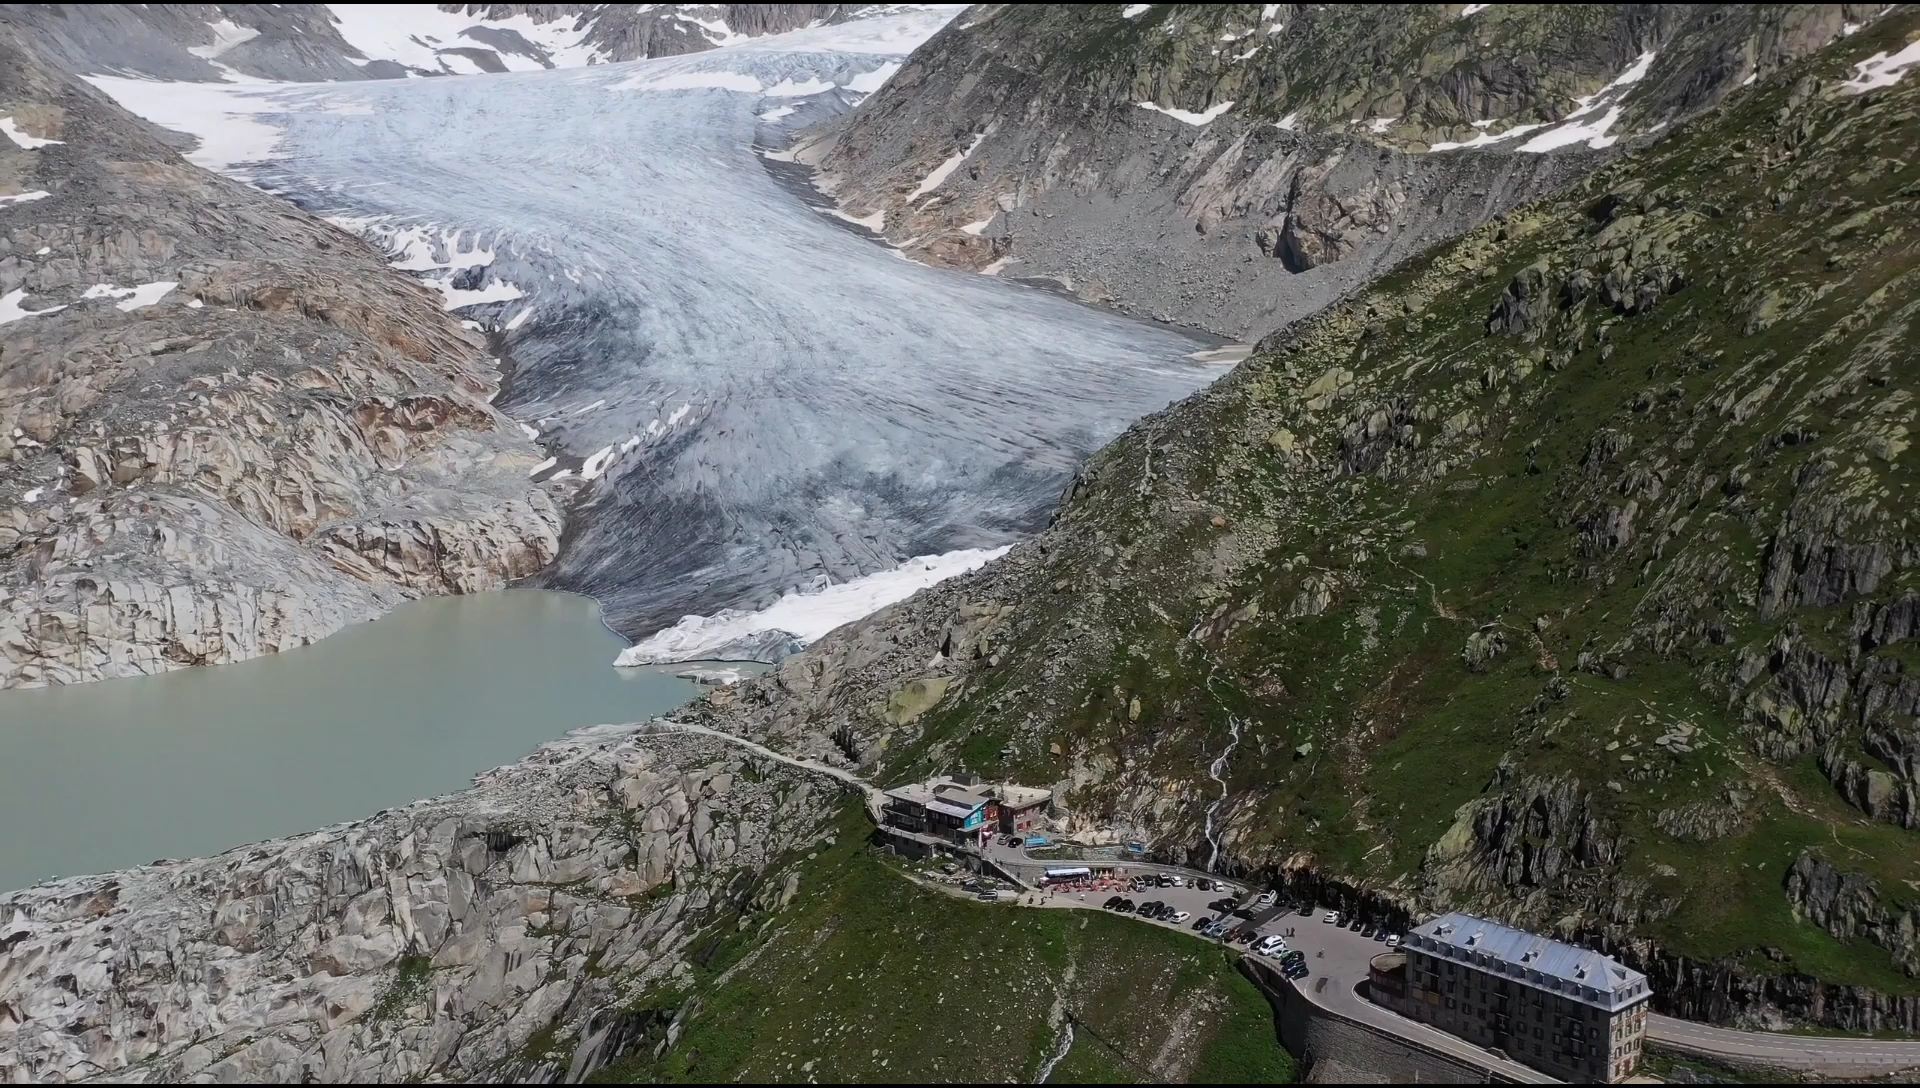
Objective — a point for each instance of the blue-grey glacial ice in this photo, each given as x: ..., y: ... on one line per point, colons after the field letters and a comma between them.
x: 765, y: 399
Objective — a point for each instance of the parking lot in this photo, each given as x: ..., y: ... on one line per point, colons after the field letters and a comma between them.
x: 1252, y: 918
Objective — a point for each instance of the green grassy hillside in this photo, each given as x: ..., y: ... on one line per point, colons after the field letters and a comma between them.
x: 1568, y: 573
x: 866, y: 976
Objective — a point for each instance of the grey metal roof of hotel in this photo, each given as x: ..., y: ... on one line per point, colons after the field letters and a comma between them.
x: 1579, y: 974
x: 950, y: 809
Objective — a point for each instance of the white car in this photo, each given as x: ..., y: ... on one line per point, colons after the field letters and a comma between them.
x: 1266, y: 900
x: 1393, y: 941
x: 1269, y: 944
x: 1332, y: 918
x: 1179, y: 882
x: 1179, y: 916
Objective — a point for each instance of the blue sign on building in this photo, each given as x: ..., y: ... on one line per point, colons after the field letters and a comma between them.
x: 1036, y: 840
x: 974, y: 820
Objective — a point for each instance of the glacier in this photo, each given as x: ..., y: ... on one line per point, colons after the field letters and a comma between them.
x: 772, y: 402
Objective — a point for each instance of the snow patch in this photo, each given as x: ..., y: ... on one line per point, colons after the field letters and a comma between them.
x: 1129, y: 11
x: 777, y: 113
x: 940, y: 173
x: 1188, y: 116
x: 1882, y: 70
x: 976, y: 228
x: 1473, y: 9
x: 1288, y: 123
x: 221, y: 116
x: 21, y: 139
x: 415, y: 34
x: 132, y: 298
x: 869, y: 82
x: 34, y: 495
x: 226, y: 35
x: 520, y: 318
x: 597, y: 463
x: 11, y: 310
x: 1485, y: 138
x: 1581, y: 125
x: 24, y: 198
x: 803, y: 615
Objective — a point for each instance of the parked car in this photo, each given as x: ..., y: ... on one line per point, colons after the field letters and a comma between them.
x: 1201, y: 923
x: 1265, y: 900
x: 1112, y: 902
x: 1297, y: 972
x: 1179, y: 917
x: 1178, y: 881
x: 1204, y: 884
x: 1380, y: 934
x: 1015, y: 841
x: 987, y: 895
x: 1293, y: 956
x: 1268, y: 945
x: 1164, y: 881
x: 1367, y: 930
x: 1332, y: 918
x: 1393, y: 940
x: 1226, y: 889
x: 1125, y: 907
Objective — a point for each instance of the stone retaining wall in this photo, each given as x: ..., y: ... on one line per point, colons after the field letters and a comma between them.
x: 1334, y: 1049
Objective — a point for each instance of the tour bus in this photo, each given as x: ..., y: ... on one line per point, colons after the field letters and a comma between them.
x: 1055, y: 876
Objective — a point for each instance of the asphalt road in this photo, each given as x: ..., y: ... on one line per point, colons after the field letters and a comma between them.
x: 1338, y: 959
x: 1832, y: 1055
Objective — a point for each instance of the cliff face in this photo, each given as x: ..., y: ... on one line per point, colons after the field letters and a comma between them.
x: 1238, y: 166
x: 445, y: 939
x: 312, y: 42
x: 226, y: 427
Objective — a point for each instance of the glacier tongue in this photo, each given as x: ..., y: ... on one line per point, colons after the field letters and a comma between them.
x: 778, y: 402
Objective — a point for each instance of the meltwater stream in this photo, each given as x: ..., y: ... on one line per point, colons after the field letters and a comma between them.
x: 766, y: 398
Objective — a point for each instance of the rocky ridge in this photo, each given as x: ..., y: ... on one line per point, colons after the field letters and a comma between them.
x: 227, y: 428
x: 314, y: 42
x: 444, y: 940
x: 1292, y: 152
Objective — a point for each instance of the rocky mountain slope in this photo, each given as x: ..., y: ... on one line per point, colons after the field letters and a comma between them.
x: 1237, y: 166
x: 309, y: 42
x: 1564, y: 574
x: 448, y: 938
x: 226, y: 427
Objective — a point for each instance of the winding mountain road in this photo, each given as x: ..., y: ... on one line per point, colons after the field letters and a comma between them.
x: 1831, y: 1055
x: 1341, y: 965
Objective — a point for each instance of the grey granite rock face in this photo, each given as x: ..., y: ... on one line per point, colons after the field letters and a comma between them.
x: 1316, y: 176
x: 431, y: 941
x: 288, y: 438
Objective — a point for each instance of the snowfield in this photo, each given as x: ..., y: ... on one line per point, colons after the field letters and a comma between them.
x: 780, y: 413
